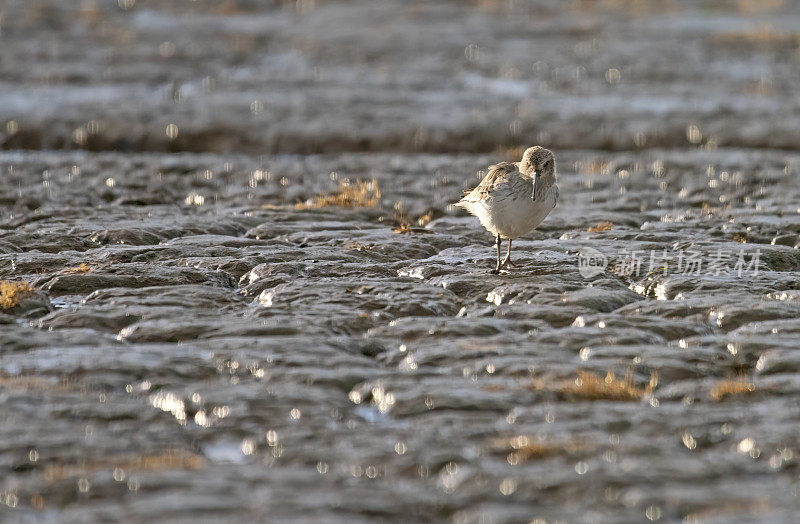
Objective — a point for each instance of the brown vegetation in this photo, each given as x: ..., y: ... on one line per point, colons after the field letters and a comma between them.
x: 349, y: 194
x: 595, y: 167
x: 726, y: 509
x: 730, y: 387
x: 762, y: 36
x: 12, y: 292
x: 30, y: 382
x: 523, y: 448
x: 588, y: 386
x: 83, y: 268
x: 600, y: 226
x: 170, y: 460
x: 406, y: 229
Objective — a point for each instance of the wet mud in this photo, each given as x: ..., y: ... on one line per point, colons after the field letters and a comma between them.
x: 271, y: 310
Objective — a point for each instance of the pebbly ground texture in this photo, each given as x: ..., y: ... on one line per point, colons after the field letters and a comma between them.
x: 270, y: 310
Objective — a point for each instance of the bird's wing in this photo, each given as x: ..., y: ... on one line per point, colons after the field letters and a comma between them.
x: 496, y: 180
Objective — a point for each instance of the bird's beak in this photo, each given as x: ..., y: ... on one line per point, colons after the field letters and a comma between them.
x: 533, y: 192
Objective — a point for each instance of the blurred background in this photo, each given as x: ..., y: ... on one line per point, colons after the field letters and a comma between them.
x: 314, y: 76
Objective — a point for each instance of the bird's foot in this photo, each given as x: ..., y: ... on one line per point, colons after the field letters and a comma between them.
x: 495, y: 271
x: 508, y: 263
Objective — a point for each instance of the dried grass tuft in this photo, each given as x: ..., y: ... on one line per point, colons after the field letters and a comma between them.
x: 740, y: 237
x: 83, y: 268
x: 404, y: 229
x: 588, y: 386
x: 170, y: 460
x: 762, y: 36
x: 600, y: 226
x: 404, y: 223
x: 595, y: 167
x: 350, y: 194
x: 724, y: 510
x: 358, y: 246
x: 12, y: 292
x: 729, y: 388
x: 30, y: 382
x: 523, y: 448
x: 425, y: 219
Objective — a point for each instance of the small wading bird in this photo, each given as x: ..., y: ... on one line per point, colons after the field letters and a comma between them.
x: 514, y: 198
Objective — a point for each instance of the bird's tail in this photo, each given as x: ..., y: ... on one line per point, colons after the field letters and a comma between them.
x: 464, y: 203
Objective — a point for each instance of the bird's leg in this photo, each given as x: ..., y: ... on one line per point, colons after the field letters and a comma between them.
x: 496, y: 270
x: 507, y: 261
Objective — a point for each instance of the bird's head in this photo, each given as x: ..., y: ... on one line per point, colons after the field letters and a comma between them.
x: 540, y: 161
x: 540, y: 164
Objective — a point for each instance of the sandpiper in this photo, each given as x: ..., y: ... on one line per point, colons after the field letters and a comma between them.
x: 514, y: 198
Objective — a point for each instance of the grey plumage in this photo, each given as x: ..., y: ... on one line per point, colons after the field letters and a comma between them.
x: 514, y: 197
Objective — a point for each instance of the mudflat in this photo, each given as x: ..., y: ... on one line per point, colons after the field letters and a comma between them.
x: 234, y: 287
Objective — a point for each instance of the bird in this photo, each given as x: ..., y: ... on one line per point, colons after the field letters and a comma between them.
x: 514, y: 198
